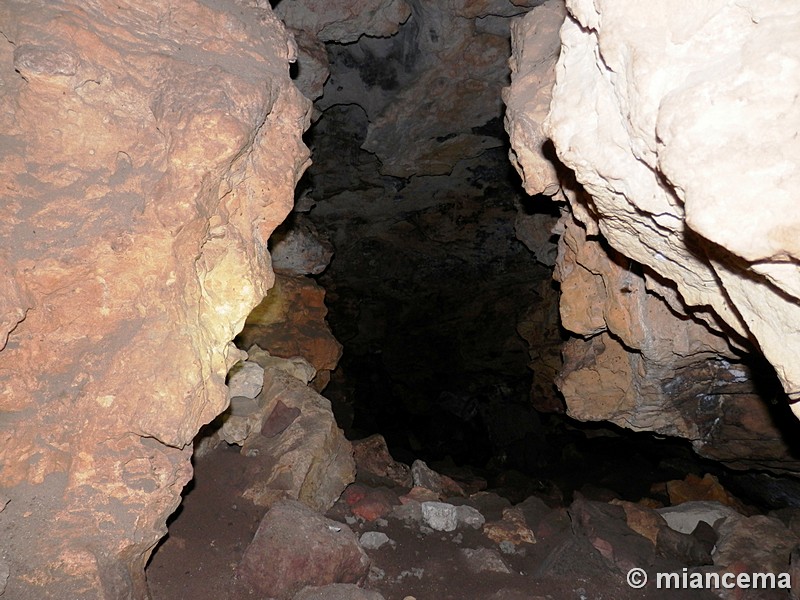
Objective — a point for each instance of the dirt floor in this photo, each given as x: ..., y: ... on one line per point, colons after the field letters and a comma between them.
x: 214, y: 526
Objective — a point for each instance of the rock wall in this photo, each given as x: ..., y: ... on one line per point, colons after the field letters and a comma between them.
x: 147, y: 154
x: 412, y: 185
x: 677, y: 122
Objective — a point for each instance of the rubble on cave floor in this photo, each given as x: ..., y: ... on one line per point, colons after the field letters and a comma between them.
x: 401, y: 532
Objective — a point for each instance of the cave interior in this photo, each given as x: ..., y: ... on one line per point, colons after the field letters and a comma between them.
x: 466, y: 284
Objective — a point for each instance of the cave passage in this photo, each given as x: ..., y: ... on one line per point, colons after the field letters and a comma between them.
x: 430, y: 305
x: 440, y: 288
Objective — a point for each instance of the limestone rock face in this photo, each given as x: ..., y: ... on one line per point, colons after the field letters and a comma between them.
x: 661, y: 307
x: 535, y: 45
x: 640, y: 365
x: 681, y: 128
x: 345, y: 21
x: 146, y: 156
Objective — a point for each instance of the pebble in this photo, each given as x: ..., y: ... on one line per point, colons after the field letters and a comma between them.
x: 372, y: 540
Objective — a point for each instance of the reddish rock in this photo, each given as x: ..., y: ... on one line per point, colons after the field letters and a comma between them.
x: 694, y: 488
x: 290, y: 321
x: 372, y: 458
x: 147, y: 155
x: 375, y: 504
x: 295, y: 547
x: 354, y: 493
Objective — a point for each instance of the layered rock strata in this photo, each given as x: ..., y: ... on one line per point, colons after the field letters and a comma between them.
x: 147, y: 155
x: 667, y: 273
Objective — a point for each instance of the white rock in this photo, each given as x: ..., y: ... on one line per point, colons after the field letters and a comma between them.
x: 297, y: 366
x: 245, y: 379
x: 685, y: 517
x: 372, y: 540
x: 439, y: 516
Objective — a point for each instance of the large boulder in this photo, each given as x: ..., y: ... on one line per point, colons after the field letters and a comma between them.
x: 147, y: 154
x: 295, y: 547
x: 296, y: 450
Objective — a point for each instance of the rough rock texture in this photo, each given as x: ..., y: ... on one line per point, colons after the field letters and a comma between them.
x: 295, y: 547
x: 670, y: 130
x: 696, y: 145
x: 736, y: 543
x: 146, y: 156
x: 373, y: 460
x: 290, y: 322
x: 297, y: 450
x: 298, y: 249
x: 535, y: 45
x: 345, y: 21
x: 249, y: 409
x: 412, y: 185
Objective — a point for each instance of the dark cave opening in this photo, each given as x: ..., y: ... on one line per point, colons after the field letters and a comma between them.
x: 441, y: 291
x: 450, y: 380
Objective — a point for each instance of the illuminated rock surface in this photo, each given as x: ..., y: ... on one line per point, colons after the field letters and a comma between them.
x: 147, y: 155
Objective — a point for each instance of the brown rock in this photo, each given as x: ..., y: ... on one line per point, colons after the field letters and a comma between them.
x: 337, y: 591
x: 708, y: 488
x: 290, y: 321
x: 759, y: 543
x: 300, y: 453
x: 605, y: 527
x: 147, y: 156
x: 372, y: 457
x: 646, y: 523
x: 483, y: 560
x: 419, y: 494
x: 626, y: 363
x: 345, y: 21
x: 511, y: 528
x: 295, y: 547
x: 686, y: 549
